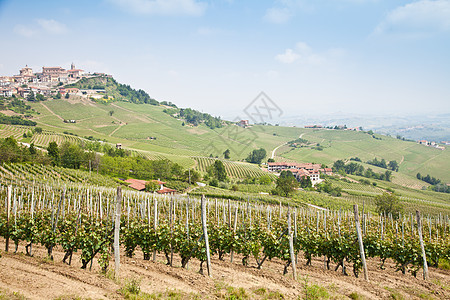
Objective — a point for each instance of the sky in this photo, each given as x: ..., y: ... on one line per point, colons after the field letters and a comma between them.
x: 309, y: 56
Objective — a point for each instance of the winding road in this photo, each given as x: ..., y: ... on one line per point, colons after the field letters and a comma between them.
x: 276, y: 148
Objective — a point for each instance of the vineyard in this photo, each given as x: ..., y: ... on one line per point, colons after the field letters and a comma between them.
x: 31, y: 173
x: 233, y: 169
x: 80, y: 218
x: 13, y: 130
x: 44, y: 138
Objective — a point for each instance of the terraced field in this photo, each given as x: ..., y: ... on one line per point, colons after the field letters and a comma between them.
x: 233, y: 169
x: 13, y: 130
x: 30, y: 173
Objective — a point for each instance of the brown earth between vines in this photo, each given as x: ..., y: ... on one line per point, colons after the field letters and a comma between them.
x: 39, y: 278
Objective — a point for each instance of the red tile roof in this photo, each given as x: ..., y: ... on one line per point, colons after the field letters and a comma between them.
x: 166, y: 191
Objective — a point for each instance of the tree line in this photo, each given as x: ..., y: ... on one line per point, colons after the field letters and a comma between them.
x: 353, y: 168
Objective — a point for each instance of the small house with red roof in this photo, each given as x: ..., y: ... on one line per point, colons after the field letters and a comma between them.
x: 139, y: 185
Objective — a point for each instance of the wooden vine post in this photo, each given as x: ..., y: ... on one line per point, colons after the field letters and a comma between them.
x: 116, y: 233
x: 205, y: 235
x: 8, y: 212
x: 291, y: 246
x: 422, y: 247
x: 155, y: 220
x: 360, y: 241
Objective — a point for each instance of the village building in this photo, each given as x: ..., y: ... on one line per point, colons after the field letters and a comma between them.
x: 300, y: 170
x: 139, y: 185
x: 243, y: 123
x: 74, y: 72
x: 6, y: 92
x: 279, y: 166
x: 26, y: 72
x: 52, y: 71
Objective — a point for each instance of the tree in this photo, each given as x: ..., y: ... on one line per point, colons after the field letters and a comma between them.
x: 265, y: 179
x: 53, y: 152
x: 71, y: 155
x: 58, y: 95
x: 286, y: 184
x: 32, y: 149
x: 226, y: 154
x: 393, y: 165
x: 305, y: 182
x: 37, y: 130
x: 151, y: 186
x: 67, y: 96
x: 31, y: 97
x: 192, y: 176
x: 388, y: 204
x: 338, y: 166
x: 111, y: 112
x: 218, y: 171
x: 387, y: 175
x: 256, y: 156
x: 271, y: 160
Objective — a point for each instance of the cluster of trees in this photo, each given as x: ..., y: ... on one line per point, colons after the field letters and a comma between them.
x: 428, y: 179
x: 168, y: 103
x: 135, y: 96
x: 217, y: 173
x: 195, y: 117
x: 119, y: 163
x: 32, y: 97
x: 12, y: 152
x: 328, y: 188
x: 112, y: 86
x: 391, y: 165
x: 16, y: 105
x: 353, y: 168
x: 256, y: 156
x: 436, y: 184
x: 297, y: 142
x: 286, y: 184
x: 388, y: 204
x: 15, y: 120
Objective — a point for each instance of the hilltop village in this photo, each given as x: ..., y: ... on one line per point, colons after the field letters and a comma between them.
x: 50, y: 81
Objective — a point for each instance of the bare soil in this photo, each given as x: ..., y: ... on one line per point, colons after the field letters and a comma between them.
x: 38, y: 277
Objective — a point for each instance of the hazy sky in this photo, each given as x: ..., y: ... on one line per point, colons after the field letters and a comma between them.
x: 373, y: 56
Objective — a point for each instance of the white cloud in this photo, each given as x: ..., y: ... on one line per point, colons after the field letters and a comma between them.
x: 302, y: 54
x: 52, y: 26
x: 44, y: 26
x: 278, y: 15
x: 162, y: 7
x: 24, y: 30
x: 288, y: 57
x: 417, y: 19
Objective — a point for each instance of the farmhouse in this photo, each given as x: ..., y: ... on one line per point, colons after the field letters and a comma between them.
x: 139, y: 185
x: 301, y: 170
x: 243, y: 123
x: 280, y: 166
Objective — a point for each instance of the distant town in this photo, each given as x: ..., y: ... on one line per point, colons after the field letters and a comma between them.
x: 48, y: 82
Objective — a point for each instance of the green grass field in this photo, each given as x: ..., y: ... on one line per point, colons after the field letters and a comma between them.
x: 148, y: 129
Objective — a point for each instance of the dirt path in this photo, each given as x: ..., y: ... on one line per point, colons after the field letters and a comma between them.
x: 51, y: 111
x: 275, y: 150
x: 38, y: 278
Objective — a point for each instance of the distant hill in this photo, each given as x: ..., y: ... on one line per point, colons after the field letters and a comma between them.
x: 147, y: 128
x: 114, y: 89
x: 162, y: 130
